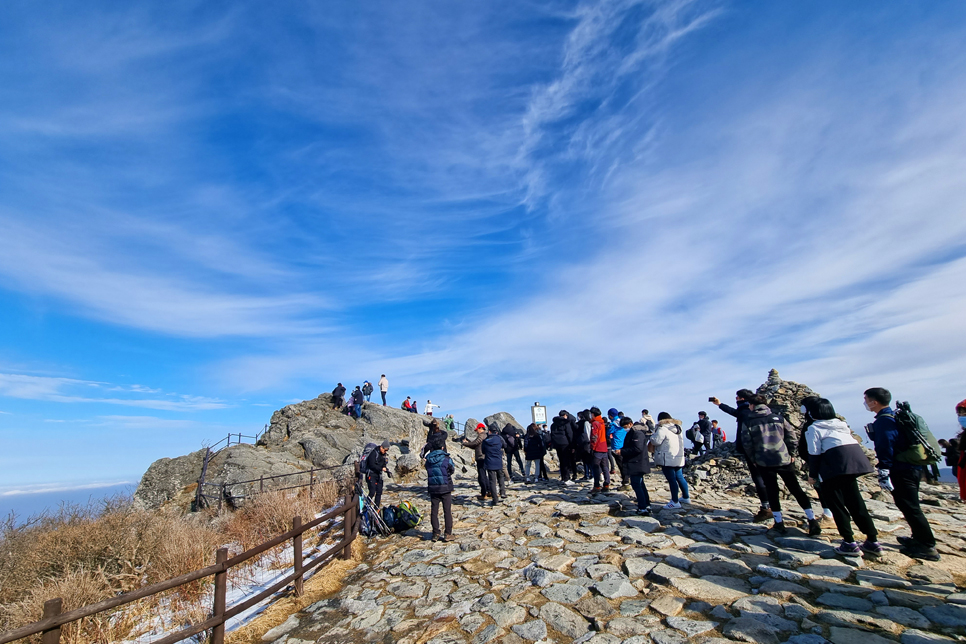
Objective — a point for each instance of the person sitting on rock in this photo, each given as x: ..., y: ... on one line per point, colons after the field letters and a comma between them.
x: 493, y: 447
x: 476, y: 443
x: 414, y: 407
x: 636, y: 462
x: 836, y: 458
x: 407, y: 404
x: 338, y: 397
x: 376, y: 463
x: 534, y: 449
x: 667, y: 444
x: 357, y: 399
x: 740, y: 411
x: 439, y: 483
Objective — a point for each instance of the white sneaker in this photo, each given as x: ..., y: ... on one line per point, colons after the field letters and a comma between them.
x: 569, y: 483
x: 671, y: 505
x: 686, y: 500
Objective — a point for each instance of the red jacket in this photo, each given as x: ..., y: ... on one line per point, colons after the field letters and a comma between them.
x: 598, y: 435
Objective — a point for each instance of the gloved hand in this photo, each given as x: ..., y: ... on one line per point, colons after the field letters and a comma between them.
x: 884, y: 481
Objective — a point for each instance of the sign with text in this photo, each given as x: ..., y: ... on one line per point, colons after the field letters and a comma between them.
x: 539, y: 414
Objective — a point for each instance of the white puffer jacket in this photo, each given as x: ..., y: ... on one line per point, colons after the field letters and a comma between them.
x: 668, y: 442
x: 824, y: 435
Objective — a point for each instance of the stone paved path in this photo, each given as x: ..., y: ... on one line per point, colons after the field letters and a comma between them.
x: 553, y: 564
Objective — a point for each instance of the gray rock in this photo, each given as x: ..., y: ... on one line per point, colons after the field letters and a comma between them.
x: 532, y: 631
x: 904, y: 616
x: 881, y: 579
x: 488, y: 634
x: 644, y: 524
x: 720, y: 612
x: 779, y: 587
x: 166, y: 478
x: 628, y: 627
x: 806, y: 638
x: 564, y: 620
x: 615, y: 587
x: 839, y: 635
x: 598, y: 571
x: 407, y: 589
x: 663, y: 573
x: 831, y: 569
x: 635, y: 567
x: 913, y: 636
x: 501, y: 419
x: 678, y: 561
x: 929, y: 574
x: 848, y: 602
x: 780, y: 573
x: 287, y: 626
x: 564, y: 593
x: 803, y: 543
x: 506, y: 615
x: 712, y: 588
x: 947, y: 615
x: 634, y: 607
x: 667, y: 636
x: 796, y: 612
x: 690, y: 627
x: 542, y: 577
x: 575, y: 511
x: 539, y: 530
x: 758, y: 605
x: 548, y: 542
x: 796, y: 558
x: 668, y: 605
x: 726, y: 568
x: 747, y: 629
x: 911, y: 600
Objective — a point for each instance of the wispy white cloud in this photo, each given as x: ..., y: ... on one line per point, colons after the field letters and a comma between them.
x: 51, y: 488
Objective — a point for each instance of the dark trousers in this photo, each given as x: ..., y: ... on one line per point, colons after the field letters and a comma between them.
x: 787, y: 473
x: 600, y: 464
x: 447, y: 502
x: 497, y: 482
x: 482, y: 478
x: 337, y: 403
x: 640, y: 490
x: 906, y: 497
x: 568, y: 468
x: 847, y: 505
x: 933, y: 473
x: 759, y: 483
x: 510, y: 454
x: 383, y: 398
x: 625, y: 479
x: 375, y: 489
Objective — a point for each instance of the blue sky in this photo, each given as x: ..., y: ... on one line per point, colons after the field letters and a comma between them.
x: 210, y: 210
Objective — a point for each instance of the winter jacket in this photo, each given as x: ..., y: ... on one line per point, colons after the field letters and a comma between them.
x: 367, y: 388
x: 449, y: 424
x: 338, y: 392
x: 634, y: 452
x: 428, y: 409
x: 668, y: 442
x: 952, y: 456
x: 598, y: 435
x: 375, y: 463
x: 704, y: 426
x: 617, y: 438
x: 767, y: 439
x: 477, y: 444
x: 493, y: 447
x: 435, y: 441
x: 647, y: 421
x: 889, y: 441
x: 833, y: 451
x: 582, y: 433
x: 743, y: 410
x: 513, y: 438
x: 383, y: 384
x: 533, y: 447
x: 562, y: 432
x: 439, y: 472
x: 357, y: 397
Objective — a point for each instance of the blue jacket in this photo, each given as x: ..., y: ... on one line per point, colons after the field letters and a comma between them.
x: 439, y: 472
x: 889, y: 441
x: 617, y: 437
x: 493, y: 447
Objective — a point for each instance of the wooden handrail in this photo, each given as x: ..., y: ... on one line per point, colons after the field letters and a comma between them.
x: 54, y: 619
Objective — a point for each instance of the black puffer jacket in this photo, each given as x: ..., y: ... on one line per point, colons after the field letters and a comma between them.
x: 562, y: 431
x: 634, y: 452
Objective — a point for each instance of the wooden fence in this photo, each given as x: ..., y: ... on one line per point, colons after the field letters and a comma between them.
x: 54, y: 619
x: 216, y: 493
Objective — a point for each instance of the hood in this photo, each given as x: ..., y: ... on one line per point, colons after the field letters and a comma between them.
x: 833, y: 425
x: 669, y: 421
x: 761, y: 409
x: 435, y: 457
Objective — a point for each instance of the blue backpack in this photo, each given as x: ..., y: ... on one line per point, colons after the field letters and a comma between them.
x: 389, y: 516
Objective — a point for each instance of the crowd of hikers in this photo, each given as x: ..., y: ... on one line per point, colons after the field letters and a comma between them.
x: 615, y: 450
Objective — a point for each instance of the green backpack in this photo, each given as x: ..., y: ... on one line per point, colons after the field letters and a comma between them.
x: 923, y: 448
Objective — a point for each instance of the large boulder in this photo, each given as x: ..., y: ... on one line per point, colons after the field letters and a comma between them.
x: 469, y: 428
x: 501, y: 419
x: 168, y: 478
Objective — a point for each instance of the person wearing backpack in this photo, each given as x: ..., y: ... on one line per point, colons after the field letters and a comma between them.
x: 740, y: 411
x: 769, y: 440
x: 667, y: 445
x: 477, y: 446
x: 534, y: 449
x: 694, y: 435
x: 513, y: 438
x: 562, y: 430
x: 900, y: 478
x: 835, y: 457
x: 493, y: 447
x: 636, y: 462
x: 376, y: 464
x: 583, y: 454
x: 439, y: 483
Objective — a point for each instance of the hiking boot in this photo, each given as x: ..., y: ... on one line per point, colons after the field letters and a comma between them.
x: 606, y: 488
x: 814, y: 528
x: 763, y: 515
x: 595, y: 490
x: 906, y: 541
x: 871, y: 547
x: 919, y: 551
x: 778, y: 528
x: 671, y: 505
x: 435, y: 537
x: 849, y: 549
x: 481, y: 497
x: 446, y: 537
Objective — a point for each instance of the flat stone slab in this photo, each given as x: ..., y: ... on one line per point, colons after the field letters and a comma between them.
x: 848, y: 602
x: 839, y: 635
x: 830, y: 570
x: 725, y: 568
x: 594, y: 548
x: 747, y: 629
x: 532, y: 631
x: 564, y: 593
x: 881, y: 579
x: 690, y: 627
x: 947, y: 615
x: 904, y: 616
x: 636, y: 567
x: 913, y: 636
x: 668, y: 605
x: 563, y: 620
x: 713, y: 588
x: 613, y: 588
x: 803, y: 543
x: 645, y: 524
x: 577, y: 511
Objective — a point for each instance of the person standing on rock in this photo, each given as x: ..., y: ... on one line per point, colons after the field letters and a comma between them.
x: 740, y: 411
x: 376, y: 463
x: 769, y: 440
x: 562, y: 429
x: 439, y: 483
x: 534, y: 449
x: 493, y: 447
x: 367, y: 389
x: 836, y: 458
x: 647, y: 420
x: 636, y: 462
x: 477, y: 445
x: 667, y: 444
x: 617, y: 434
x: 338, y: 396
x: 704, y: 426
x: 899, y: 478
x: 357, y: 399
x: 428, y: 410
x: 600, y: 450
x: 513, y: 439
x: 955, y: 450
x: 583, y: 450
x: 718, y: 433
x: 383, y: 388
x: 449, y: 424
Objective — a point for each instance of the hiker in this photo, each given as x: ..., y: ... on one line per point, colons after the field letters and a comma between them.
x: 428, y: 410
x: 950, y: 454
x: 707, y: 433
x: 439, y: 483
x: 955, y: 451
x: 608, y: 421
x: 414, y: 407
x: 493, y: 447
x: 836, y: 458
x: 376, y: 464
x: 667, y: 445
x: 407, y: 404
x: 582, y: 450
x: 743, y: 408
x: 477, y: 444
x: 338, y: 396
x: 357, y: 400
x: 545, y: 437
x: 449, y: 423
x: 718, y: 433
x: 636, y: 462
x: 534, y: 449
x: 770, y: 441
x: 696, y: 437
x: 383, y: 388
x: 617, y: 434
x: 647, y: 420
x: 899, y: 478
x: 599, y: 450
x: 435, y: 439
x: 367, y: 389
x: 562, y: 429
x: 513, y: 441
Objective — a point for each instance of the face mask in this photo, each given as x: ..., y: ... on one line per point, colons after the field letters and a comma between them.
x: 865, y: 403
x: 962, y: 422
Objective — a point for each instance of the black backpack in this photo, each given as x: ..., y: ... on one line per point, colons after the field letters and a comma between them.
x: 364, y: 458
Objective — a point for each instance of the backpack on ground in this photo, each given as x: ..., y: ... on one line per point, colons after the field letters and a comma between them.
x: 390, y: 515
x: 923, y: 448
x: 407, y: 516
x: 366, y: 525
x: 364, y: 458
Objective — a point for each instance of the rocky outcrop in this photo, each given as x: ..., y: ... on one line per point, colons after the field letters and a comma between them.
x: 169, y: 478
x: 500, y: 420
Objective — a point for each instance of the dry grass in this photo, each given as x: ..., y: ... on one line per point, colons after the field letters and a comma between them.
x: 85, y: 554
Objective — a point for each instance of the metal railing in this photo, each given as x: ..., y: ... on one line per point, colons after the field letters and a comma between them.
x: 54, y: 619
x: 218, y: 493
x: 210, y: 453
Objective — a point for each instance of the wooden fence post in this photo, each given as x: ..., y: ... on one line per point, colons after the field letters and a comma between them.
x: 221, y: 594
x: 311, y: 482
x: 261, y: 483
x: 52, y: 608
x: 348, y: 525
x: 297, y: 547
